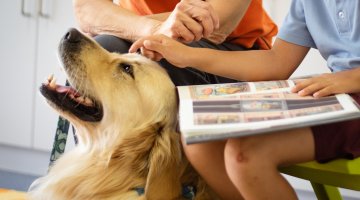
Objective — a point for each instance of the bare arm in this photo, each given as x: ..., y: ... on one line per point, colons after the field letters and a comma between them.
x: 278, y: 63
x: 103, y: 17
x: 125, y: 24
x: 230, y: 13
x: 186, y: 22
x: 160, y: 16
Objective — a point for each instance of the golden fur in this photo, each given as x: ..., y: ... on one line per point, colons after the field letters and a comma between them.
x: 135, y: 144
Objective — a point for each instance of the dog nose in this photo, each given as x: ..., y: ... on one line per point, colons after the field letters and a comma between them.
x: 72, y: 36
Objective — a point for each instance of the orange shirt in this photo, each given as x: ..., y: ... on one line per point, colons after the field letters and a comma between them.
x: 256, y: 27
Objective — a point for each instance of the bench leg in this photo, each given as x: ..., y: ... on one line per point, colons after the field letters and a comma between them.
x: 326, y: 192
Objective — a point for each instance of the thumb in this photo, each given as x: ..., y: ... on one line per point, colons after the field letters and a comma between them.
x: 154, y: 46
x: 136, y: 46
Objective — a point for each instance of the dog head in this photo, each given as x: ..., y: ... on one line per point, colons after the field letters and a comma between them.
x: 124, y: 109
x: 127, y: 89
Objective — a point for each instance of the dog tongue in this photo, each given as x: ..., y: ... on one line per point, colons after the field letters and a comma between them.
x: 66, y: 89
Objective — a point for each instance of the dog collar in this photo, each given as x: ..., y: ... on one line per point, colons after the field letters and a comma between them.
x: 188, y: 192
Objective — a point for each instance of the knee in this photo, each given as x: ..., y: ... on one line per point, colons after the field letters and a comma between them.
x: 238, y: 153
x: 112, y: 43
x: 247, y: 154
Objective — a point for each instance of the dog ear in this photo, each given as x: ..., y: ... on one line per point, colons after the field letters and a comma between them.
x: 163, y: 180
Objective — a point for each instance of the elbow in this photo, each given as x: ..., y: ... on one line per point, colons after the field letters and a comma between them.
x: 78, y: 6
x: 279, y: 72
x: 281, y: 76
x: 81, y: 16
x: 280, y: 68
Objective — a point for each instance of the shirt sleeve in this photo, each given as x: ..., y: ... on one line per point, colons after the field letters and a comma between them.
x: 294, y: 28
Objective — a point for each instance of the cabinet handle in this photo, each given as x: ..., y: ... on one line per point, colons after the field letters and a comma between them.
x: 23, y: 12
x: 41, y: 12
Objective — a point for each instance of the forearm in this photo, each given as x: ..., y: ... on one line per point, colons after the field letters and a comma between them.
x: 275, y: 64
x: 230, y: 13
x: 114, y: 20
x: 278, y: 63
x: 160, y: 17
x: 239, y: 65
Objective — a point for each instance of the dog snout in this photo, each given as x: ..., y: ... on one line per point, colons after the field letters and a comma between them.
x: 72, y: 36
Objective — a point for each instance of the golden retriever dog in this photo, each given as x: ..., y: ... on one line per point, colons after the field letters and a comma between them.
x: 124, y: 110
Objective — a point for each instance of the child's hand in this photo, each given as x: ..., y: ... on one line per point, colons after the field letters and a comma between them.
x: 160, y: 46
x: 328, y: 84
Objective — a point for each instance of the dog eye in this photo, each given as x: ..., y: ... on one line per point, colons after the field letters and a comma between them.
x: 127, y: 68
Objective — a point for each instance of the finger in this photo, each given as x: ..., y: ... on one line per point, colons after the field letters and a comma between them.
x: 187, y: 28
x: 202, y: 12
x: 184, y: 34
x: 324, y: 92
x: 195, y: 28
x: 205, y: 21
x: 136, y: 45
x: 301, y: 85
x: 210, y: 10
x: 154, y: 46
x: 216, y: 37
x: 147, y: 53
x: 311, y: 89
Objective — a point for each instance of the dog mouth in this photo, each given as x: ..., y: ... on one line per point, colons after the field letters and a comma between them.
x: 68, y: 99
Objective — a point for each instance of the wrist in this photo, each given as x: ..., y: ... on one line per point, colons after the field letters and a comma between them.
x: 195, y: 57
x: 147, y: 27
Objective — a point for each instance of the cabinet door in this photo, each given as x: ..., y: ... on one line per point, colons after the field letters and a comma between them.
x: 56, y: 17
x: 17, y: 67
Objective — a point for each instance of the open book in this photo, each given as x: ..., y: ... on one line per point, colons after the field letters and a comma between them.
x: 219, y: 111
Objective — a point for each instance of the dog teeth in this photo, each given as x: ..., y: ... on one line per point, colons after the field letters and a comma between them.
x: 88, y: 101
x: 83, y: 100
x: 51, y: 76
x: 48, y: 79
x: 80, y: 99
x: 52, y: 83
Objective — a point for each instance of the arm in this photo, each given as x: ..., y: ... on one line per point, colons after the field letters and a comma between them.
x: 193, y: 18
x: 278, y: 63
x: 347, y: 81
x: 275, y: 64
x: 189, y: 20
x: 230, y: 15
x: 103, y: 17
x: 160, y: 17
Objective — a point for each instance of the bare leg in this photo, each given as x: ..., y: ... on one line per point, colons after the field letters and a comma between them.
x: 252, y: 162
x: 208, y: 160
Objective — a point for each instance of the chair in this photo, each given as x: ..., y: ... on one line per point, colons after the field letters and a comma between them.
x: 326, y: 178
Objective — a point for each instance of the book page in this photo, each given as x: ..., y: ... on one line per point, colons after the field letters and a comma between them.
x: 230, y: 90
x: 250, y: 107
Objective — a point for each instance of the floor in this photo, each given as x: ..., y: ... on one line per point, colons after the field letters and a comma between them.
x: 15, y: 181
x: 21, y: 182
